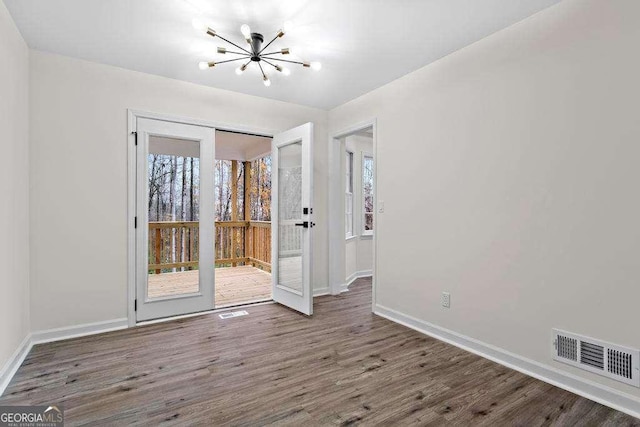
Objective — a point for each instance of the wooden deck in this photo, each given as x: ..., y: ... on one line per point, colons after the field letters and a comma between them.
x: 234, y: 285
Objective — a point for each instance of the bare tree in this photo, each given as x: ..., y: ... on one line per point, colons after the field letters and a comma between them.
x: 191, y: 191
x: 183, y: 216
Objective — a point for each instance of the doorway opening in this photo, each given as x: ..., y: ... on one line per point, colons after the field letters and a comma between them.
x: 242, y: 197
x: 357, y: 158
x: 204, y: 229
x: 242, y: 200
x: 353, y: 208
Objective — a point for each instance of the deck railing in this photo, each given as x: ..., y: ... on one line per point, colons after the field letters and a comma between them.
x: 173, y: 245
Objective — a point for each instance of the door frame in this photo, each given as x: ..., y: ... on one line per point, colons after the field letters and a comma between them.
x: 132, y: 116
x: 337, y: 242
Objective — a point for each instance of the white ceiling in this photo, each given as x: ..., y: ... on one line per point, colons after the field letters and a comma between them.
x: 229, y: 146
x: 362, y: 44
x: 238, y: 146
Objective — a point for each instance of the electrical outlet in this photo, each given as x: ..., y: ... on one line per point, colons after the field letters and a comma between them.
x: 446, y: 299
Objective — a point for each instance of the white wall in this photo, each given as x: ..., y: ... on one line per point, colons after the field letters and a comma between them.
x: 79, y: 176
x: 510, y: 176
x: 351, y: 258
x: 359, y: 248
x: 14, y: 188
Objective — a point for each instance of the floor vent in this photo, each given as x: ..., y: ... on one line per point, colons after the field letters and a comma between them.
x: 611, y: 360
x: 230, y: 314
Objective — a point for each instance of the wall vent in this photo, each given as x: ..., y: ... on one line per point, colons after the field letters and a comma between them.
x: 592, y: 354
x: 567, y: 348
x: 620, y: 363
x: 230, y: 314
x: 610, y: 360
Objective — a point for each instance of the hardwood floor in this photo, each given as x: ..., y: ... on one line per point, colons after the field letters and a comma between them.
x: 343, y: 366
x: 234, y: 285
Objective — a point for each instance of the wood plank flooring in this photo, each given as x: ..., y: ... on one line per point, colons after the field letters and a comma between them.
x: 343, y: 366
x: 234, y: 285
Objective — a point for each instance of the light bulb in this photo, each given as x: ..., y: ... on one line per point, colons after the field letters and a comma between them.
x: 286, y: 71
x: 246, y: 31
x: 287, y: 26
x: 199, y: 25
x: 316, y: 66
x: 266, y: 81
x: 203, y: 65
x: 239, y: 71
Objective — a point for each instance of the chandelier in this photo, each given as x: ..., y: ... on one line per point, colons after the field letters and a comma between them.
x: 255, y: 52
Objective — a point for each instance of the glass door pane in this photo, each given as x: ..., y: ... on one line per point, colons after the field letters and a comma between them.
x: 173, y: 172
x: 290, y: 214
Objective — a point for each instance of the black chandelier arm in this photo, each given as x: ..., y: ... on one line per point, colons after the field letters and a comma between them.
x: 232, y: 60
x: 286, y: 60
x: 237, y: 53
x: 273, y: 65
x: 233, y: 44
x: 267, y: 45
x: 262, y: 71
x: 279, y: 52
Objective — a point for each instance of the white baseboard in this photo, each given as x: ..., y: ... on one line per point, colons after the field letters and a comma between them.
x: 355, y: 276
x: 321, y: 291
x: 15, y: 361
x: 50, y: 335
x: 591, y: 390
x: 58, y: 334
x: 344, y: 287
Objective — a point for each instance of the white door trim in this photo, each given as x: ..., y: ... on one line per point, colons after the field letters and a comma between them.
x: 132, y: 116
x: 337, y: 282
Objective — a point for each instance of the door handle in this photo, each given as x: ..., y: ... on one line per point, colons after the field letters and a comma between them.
x: 305, y: 224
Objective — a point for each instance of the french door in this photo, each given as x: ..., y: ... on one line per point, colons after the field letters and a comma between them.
x: 291, y: 218
x: 175, y: 236
x: 175, y: 219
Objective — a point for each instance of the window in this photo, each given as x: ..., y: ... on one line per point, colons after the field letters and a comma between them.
x: 348, y: 199
x: 367, y: 194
